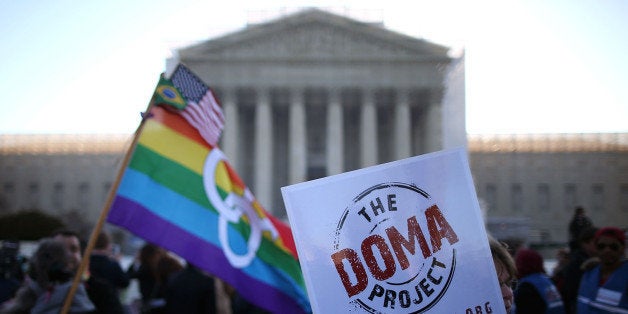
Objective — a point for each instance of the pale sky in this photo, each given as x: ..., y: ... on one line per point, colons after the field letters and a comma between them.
x: 533, y: 66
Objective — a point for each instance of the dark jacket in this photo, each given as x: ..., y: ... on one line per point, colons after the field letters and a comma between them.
x: 537, y: 294
x: 108, y: 269
x: 572, y: 274
x: 190, y: 291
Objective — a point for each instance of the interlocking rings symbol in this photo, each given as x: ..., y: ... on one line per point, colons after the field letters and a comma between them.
x: 231, y: 209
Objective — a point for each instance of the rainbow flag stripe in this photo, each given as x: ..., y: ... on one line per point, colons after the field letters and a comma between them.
x: 161, y: 198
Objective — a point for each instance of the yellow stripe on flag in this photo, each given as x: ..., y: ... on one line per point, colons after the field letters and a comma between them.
x: 222, y: 178
x: 172, y: 145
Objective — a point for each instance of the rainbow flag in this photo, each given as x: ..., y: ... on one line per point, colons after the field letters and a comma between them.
x: 178, y: 191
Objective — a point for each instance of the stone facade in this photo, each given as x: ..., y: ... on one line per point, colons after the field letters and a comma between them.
x: 58, y: 173
x: 315, y: 94
x: 527, y: 184
x: 534, y: 182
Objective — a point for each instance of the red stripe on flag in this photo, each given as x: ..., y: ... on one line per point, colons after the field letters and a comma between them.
x: 204, y: 120
x: 216, y: 108
x: 208, y: 134
x: 285, y: 234
x: 206, y: 116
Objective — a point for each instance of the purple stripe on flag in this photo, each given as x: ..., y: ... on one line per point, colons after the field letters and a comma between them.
x: 145, y: 224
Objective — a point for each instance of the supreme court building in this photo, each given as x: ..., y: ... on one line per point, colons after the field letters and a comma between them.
x: 314, y: 94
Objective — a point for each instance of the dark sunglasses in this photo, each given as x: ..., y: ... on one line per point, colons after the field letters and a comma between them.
x: 612, y: 246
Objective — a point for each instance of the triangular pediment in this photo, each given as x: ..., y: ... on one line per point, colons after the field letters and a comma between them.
x: 314, y: 35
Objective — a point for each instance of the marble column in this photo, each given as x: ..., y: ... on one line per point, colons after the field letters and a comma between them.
x: 297, y: 139
x: 403, y: 133
x: 335, y: 136
x: 368, y: 130
x: 432, y: 136
x: 263, y: 149
x: 231, y: 132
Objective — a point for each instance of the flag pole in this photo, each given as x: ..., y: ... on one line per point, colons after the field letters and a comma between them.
x: 103, y: 214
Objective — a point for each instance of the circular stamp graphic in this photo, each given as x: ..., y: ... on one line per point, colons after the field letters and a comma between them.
x: 394, y: 250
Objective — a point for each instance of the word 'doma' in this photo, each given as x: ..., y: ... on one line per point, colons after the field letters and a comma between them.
x: 375, y: 246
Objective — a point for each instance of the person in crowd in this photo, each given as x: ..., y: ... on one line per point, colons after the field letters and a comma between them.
x: 100, y: 292
x: 71, y: 241
x: 240, y: 305
x: 167, y: 267
x: 604, y: 289
x: 11, y: 269
x: 575, y: 268
x: 102, y: 263
x: 578, y: 223
x: 558, y: 272
x: 535, y: 292
x: 506, y: 271
x: 50, y: 279
x: 153, y: 268
x: 190, y: 291
x: 144, y: 269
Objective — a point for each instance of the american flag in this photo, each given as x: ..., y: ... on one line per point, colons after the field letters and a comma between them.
x: 202, y: 110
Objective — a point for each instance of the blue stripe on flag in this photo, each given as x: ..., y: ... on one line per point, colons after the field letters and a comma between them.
x: 197, y: 220
x: 135, y: 217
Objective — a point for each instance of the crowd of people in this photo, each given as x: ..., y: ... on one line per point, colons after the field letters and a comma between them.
x: 591, y: 276
x: 166, y: 283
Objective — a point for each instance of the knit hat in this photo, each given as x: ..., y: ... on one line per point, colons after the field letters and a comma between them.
x: 528, y: 262
x: 612, y: 232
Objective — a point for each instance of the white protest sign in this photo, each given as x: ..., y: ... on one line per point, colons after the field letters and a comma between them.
x: 402, y: 237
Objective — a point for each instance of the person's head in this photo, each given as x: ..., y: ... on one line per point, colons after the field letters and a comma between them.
x: 71, y: 241
x: 579, y: 211
x: 610, y: 243
x: 103, y: 241
x: 149, y: 255
x: 51, y: 263
x: 528, y: 262
x: 506, y: 271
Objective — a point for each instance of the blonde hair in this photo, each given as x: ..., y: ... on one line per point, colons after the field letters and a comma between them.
x: 500, y: 253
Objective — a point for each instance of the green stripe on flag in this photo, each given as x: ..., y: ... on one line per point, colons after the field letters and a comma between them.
x: 190, y: 185
x: 171, y: 175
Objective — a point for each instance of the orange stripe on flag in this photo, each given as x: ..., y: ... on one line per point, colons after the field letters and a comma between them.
x: 177, y: 123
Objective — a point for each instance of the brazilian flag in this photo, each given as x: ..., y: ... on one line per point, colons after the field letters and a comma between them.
x: 167, y: 94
